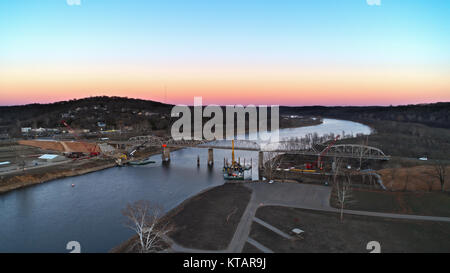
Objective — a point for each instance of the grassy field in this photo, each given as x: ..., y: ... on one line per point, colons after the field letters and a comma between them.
x: 426, y: 203
x: 209, y: 220
x: 325, y: 233
x: 248, y: 248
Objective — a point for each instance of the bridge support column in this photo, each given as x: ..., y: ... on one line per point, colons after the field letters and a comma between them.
x: 210, y: 157
x: 166, y: 154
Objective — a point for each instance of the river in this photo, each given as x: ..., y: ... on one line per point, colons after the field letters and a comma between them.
x: 45, y: 217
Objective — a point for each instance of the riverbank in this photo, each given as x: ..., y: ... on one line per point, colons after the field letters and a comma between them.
x: 127, y: 246
x: 297, y: 122
x: 46, y: 174
x: 10, y: 182
x: 207, y: 220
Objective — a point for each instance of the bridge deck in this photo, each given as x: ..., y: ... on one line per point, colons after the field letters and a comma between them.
x: 345, y: 155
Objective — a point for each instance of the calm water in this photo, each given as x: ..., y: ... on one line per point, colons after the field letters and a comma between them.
x: 43, y: 218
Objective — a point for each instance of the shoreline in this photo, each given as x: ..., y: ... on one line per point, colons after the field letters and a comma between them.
x: 34, y: 177
x: 125, y: 245
x: 47, y: 177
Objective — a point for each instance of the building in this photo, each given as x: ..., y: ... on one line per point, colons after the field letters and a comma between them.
x: 51, y: 158
x: 26, y: 130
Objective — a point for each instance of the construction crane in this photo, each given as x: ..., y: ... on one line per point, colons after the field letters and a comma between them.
x: 318, y: 163
x: 324, y: 152
x: 91, y: 149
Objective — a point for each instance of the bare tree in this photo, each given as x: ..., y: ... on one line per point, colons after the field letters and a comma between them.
x: 337, y: 169
x: 439, y: 172
x: 143, y: 218
x: 343, y: 193
x: 272, y: 160
x: 342, y: 185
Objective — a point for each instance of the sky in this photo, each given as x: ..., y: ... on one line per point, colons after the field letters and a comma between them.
x: 285, y: 52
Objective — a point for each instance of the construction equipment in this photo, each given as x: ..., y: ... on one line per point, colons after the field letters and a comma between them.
x: 319, y: 164
x: 91, y: 149
x: 136, y: 148
x: 75, y: 155
x: 234, y: 171
x: 324, y: 152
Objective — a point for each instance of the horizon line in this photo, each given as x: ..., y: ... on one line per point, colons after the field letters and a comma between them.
x: 172, y: 104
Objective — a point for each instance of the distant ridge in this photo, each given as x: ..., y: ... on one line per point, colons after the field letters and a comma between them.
x: 431, y: 114
x: 125, y: 111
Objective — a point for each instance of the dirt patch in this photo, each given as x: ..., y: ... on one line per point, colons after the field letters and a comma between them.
x: 208, y: 221
x: 416, y: 178
x: 63, y: 146
x: 325, y: 233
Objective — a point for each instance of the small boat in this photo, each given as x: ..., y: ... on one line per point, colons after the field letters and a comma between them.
x: 233, y: 172
x: 233, y: 176
x: 141, y: 162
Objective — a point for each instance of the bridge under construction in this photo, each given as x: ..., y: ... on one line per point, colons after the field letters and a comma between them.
x: 361, y: 152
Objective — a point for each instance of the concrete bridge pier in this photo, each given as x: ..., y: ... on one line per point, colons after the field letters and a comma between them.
x: 166, y: 154
x: 210, y: 157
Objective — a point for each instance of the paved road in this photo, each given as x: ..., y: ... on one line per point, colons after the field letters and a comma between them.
x: 283, y: 194
x: 272, y: 228
x: 259, y: 246
x: 41, y: 165
x: 243, y: 229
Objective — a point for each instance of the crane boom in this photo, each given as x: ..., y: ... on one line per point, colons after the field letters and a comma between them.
x: 324, y: 152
